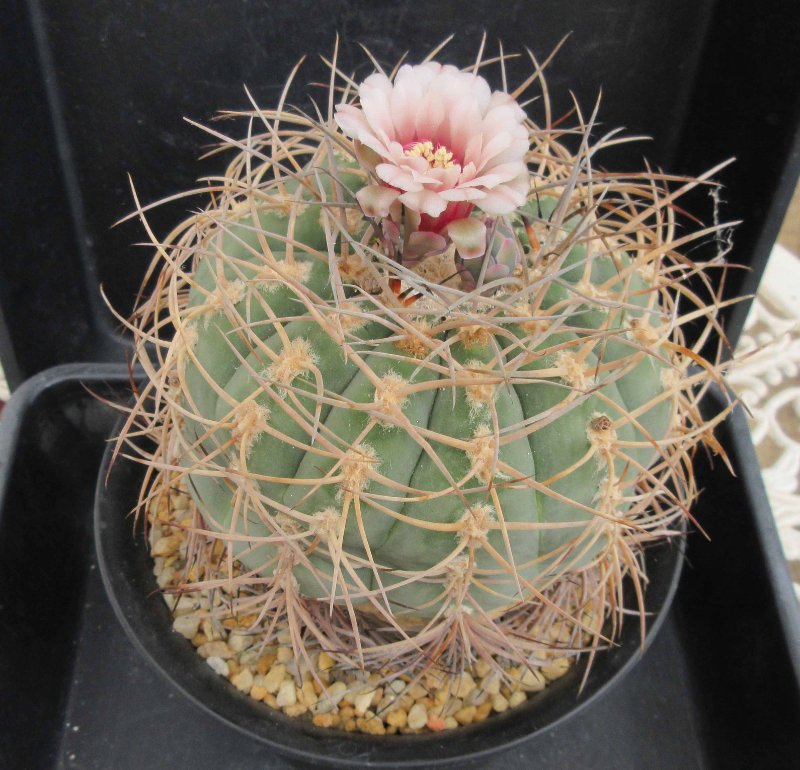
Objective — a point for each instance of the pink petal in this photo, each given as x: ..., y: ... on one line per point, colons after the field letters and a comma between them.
x: 376, y: 200
x: 374, y: 94
x: 423, y: 242
x: 469, y: 236
x: 462, y: 194
x: 424, y: 201
x: 401, y: 178
x: 501, y: 200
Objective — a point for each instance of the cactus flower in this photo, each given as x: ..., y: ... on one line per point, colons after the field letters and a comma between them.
x: 440, y: 142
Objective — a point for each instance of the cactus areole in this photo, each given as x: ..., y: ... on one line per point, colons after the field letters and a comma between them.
x: 421, y: 366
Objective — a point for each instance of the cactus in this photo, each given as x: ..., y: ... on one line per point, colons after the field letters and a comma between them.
x: 421, y: 428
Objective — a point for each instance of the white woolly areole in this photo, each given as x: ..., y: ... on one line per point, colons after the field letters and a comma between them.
x: 482, y: 452
x: 391, y: 396
x: 479, y: 394
x: 355, y: 468
x: 249, y: 422
x: 272, y: 278
x: 296, y: 358
x: 573, y: 371
x: 347, y: 318
x: 645, y: 334
x: 671, y: 379
x: 326, y: 524
x: 189, y: 335
x: 416, y: 343
x: 609, y: 496
x: 225, y: 294
x: 475, y: 525
x: 458, y: 577
x: 283, y: 205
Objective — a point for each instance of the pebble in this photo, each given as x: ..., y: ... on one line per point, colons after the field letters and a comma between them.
x: 287, y: 695
x: 464, y: 685
x: 309, y: 694
x: 258, y: 692
x: 491, y: 684
x: 397, y: 718
x: 417, y: 717
x: 295, y: 710
x: 215, y: 650
x: 284, y: 654
x: 239, y: 642
x: 362, y: 702
x: 557, y: 668
x: 166, y: 577
x: 185, y: 605
x: 273, y: 679
x: 371, y: 725
x: 324, y: 720
x: 219, y: 665
x: 186, y: 625
x: 329, y: 699
x: 466, y: 715
x: 532, y: 681
x: 336, y: 698
x: 166, y: 546
x: 499, y: 703
x: 243, y: 680
x: 481, y: 668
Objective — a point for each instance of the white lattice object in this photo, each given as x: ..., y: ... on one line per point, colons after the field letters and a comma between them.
x: 767, y: 376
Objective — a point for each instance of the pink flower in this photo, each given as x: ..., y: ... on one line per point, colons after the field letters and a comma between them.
x: 441, y: 143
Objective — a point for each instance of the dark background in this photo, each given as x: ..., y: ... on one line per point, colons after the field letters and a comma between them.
x: 95, y: 91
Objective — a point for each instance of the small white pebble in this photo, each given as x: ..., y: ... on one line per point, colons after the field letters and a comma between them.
x: 287, y: 696
x: 417, y: 717
x: 185, y: 605
x: 218, y: 664
x: 361, y: 702
x: 239, y: 642
x: 330, y: 698
x: 186, y: 625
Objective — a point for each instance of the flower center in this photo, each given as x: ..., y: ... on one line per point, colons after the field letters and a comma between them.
x: 438, y: 156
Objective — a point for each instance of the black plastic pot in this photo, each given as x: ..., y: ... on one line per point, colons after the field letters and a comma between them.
x: 718, y: 687
x: 126, y: 568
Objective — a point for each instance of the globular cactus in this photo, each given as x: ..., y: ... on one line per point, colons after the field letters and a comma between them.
x: 422, y: 415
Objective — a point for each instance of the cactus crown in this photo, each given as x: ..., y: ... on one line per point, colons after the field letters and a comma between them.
x: 426, y: 419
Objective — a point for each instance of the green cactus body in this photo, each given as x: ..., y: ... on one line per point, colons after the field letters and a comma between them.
x: 400, y: 507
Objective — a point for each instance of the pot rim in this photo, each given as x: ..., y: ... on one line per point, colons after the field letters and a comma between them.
x: 126, y: 569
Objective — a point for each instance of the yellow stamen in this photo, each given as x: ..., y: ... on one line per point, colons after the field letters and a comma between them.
x: 439, y: 157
